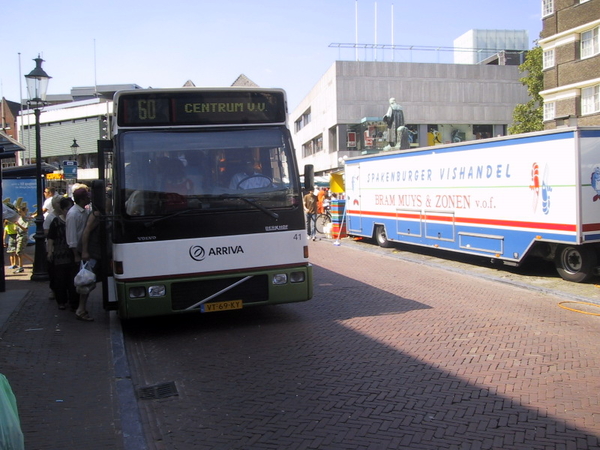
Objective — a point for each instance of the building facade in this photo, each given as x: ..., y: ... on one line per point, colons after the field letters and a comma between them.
x: 571, y: 62
x: 488, y: 43
x: 81, y: 117
x: 342, y: 116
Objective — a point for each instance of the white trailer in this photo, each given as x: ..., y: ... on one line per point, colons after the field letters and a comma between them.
x: 507, y: 198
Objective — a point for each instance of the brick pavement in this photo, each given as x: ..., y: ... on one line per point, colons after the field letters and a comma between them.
x: 399, y: 356
x: 59, y: 368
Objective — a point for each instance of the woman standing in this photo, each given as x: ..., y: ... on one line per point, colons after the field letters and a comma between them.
x: 61, y: 257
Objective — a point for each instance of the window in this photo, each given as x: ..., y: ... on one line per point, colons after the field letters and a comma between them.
x: 200, y: 165
x: 302, y: 121
x: 306, y: 118
x: 547, y: 7
x: 483, y: 131
x: 308, y: 149
x: 318, y: 144
x: 590, y: 100
x: 549, y: 110
x: 548, y: 59
x: 589, y: 43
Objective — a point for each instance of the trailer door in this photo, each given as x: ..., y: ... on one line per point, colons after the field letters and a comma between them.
x: 353, y: 199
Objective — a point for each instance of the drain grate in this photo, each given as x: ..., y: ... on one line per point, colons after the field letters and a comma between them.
x: 162, y: 390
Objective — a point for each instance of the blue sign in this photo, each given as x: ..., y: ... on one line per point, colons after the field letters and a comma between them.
x: 70, y: 170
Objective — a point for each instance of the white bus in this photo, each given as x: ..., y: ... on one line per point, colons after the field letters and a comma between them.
x: 206, y: 203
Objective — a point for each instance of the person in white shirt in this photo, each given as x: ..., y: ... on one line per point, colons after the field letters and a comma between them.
x: 250, y: 178
x: 49, y: 194
x: 75, y: 224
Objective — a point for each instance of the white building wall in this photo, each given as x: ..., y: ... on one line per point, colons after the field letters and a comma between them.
x: 319, y: 100
x: 495, y: 40
x: 429, y: 94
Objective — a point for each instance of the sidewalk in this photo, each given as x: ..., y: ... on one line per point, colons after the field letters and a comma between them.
x: 59, y: 368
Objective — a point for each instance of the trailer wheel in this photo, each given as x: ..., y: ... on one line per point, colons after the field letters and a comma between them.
x: 381, y: 238
x: 575, y: 263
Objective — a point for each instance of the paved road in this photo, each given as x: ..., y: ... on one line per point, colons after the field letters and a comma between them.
x: 388, y: 354
x: 535, y: 275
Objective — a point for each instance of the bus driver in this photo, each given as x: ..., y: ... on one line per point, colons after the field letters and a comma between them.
x: 250, y: 178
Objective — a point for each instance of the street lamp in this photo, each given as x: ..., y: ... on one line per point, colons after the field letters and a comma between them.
x: 37, y: 84
x: 73, y: 168
x: 74, y: 149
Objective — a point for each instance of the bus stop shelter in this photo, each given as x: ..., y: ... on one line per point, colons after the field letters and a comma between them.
x: 8, y: 148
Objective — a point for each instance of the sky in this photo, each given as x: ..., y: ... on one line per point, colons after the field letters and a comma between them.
x: 275, y: 43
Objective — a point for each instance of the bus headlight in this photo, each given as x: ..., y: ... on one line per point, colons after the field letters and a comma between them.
x: 297, y: 277
x: 157, y: 291
x: 280, y: 278
x: 137, y: 292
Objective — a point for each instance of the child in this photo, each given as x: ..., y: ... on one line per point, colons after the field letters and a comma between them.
x: 10, y: 241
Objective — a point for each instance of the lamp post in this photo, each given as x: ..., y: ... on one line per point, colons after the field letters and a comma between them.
x: 74, y: 149
x: 37, y: 84
x: 74, y: 167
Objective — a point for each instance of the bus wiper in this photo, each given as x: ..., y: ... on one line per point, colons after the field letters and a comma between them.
x: 159, y: 219
x: 273, y: 214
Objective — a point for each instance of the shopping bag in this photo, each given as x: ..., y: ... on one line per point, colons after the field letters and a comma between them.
x: 85, y: 276
x: 85, y: 289
x: 11, y: 436
x: 9, y: 212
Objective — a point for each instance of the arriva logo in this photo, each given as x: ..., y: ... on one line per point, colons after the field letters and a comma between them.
x: 197, y: 252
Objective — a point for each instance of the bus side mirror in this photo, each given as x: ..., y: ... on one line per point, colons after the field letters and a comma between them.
x: 309, y: 177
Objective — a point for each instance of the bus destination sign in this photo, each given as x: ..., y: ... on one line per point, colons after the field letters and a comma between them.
x: 206, y: 108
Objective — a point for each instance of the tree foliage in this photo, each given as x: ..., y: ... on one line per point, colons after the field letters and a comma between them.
x: 530, y: 116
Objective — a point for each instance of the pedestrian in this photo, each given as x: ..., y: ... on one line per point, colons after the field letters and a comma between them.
x: 10, y: 242
x: 310, y: 209
x: 56, y: 210
x: 320, y: 197
x: 22, y: 238
x: 91, y: 248
x: 326, y: 202
x: 48, y: 218
x: 76, y: 220
x: 61, y: 258
x: 49, y: 194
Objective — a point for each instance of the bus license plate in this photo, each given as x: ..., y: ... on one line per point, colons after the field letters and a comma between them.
x: 221, y: 306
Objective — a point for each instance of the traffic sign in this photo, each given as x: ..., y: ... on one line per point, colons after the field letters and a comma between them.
x: 70, y: 170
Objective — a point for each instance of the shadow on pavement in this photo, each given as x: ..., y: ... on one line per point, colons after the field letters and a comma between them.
x: 310, y: 375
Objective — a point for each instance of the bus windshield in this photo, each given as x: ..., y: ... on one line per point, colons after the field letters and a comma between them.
x: 168, y: 171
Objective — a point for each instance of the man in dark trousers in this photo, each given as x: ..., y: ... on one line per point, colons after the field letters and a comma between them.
x: 310, y: 202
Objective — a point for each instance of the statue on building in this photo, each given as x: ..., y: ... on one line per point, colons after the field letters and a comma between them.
x: 398, y: 134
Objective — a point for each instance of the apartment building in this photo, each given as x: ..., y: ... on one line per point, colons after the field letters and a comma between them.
x: 571, y: 62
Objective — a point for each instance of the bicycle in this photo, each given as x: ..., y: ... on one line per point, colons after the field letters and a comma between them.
x: 322, y: 220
